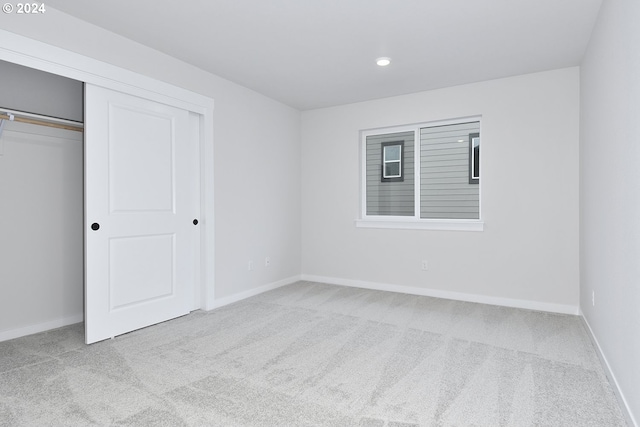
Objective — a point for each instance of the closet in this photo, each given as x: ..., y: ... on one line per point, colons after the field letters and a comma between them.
x: 131, y: 243
x: 41, y: 201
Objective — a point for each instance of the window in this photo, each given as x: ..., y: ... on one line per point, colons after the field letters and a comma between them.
x: 392, y: 161
x: 386, y: 195
x: 422, y: 176
x: 474, y: 158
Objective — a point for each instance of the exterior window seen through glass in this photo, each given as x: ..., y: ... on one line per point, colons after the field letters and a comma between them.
x: 392, y: 160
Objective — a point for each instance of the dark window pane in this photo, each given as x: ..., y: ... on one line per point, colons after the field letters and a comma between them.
x: 392, y: 169
x: 476, y: 161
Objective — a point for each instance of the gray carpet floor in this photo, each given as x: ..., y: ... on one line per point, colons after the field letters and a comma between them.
x: 314, y: 354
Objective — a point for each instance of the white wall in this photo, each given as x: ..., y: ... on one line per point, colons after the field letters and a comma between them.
x: 257, y: 152
x: 528, y: 253
x: 41, y: 254
x: 34, y: 91
x: 610, y: 192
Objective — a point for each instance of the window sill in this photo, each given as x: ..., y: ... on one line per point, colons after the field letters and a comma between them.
x: 423, y: 224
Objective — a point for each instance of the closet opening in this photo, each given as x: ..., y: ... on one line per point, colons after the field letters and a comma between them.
x: 46, y: 192
x: 41, y: 208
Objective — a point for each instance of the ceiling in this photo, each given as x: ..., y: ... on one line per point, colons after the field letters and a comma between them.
x: 318, y: 53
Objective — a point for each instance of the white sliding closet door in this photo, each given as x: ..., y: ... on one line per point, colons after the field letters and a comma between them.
x: 141, y: 203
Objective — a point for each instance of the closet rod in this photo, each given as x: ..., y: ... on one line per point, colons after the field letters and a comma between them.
x: 33, y: 121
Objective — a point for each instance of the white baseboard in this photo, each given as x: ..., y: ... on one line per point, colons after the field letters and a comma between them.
x: 219, y: 302
x: 459, y: 296
x: 58, y: 323
x: 40, y: 327
x: 624, y: 405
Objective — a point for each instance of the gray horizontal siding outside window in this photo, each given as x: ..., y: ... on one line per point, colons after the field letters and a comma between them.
x: 390, y: 198
x: 445, y: 191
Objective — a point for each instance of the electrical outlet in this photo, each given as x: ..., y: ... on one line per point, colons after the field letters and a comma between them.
x: 425, y: 265
x: 250, y: 265
x: 267, y: 262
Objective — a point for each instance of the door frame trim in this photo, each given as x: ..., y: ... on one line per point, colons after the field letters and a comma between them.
x: 34, y: 54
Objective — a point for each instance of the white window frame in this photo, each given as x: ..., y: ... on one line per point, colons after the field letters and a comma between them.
x: 413, y: 222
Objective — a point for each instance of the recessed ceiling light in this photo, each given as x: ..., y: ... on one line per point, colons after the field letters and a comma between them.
x: 383, y: 62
